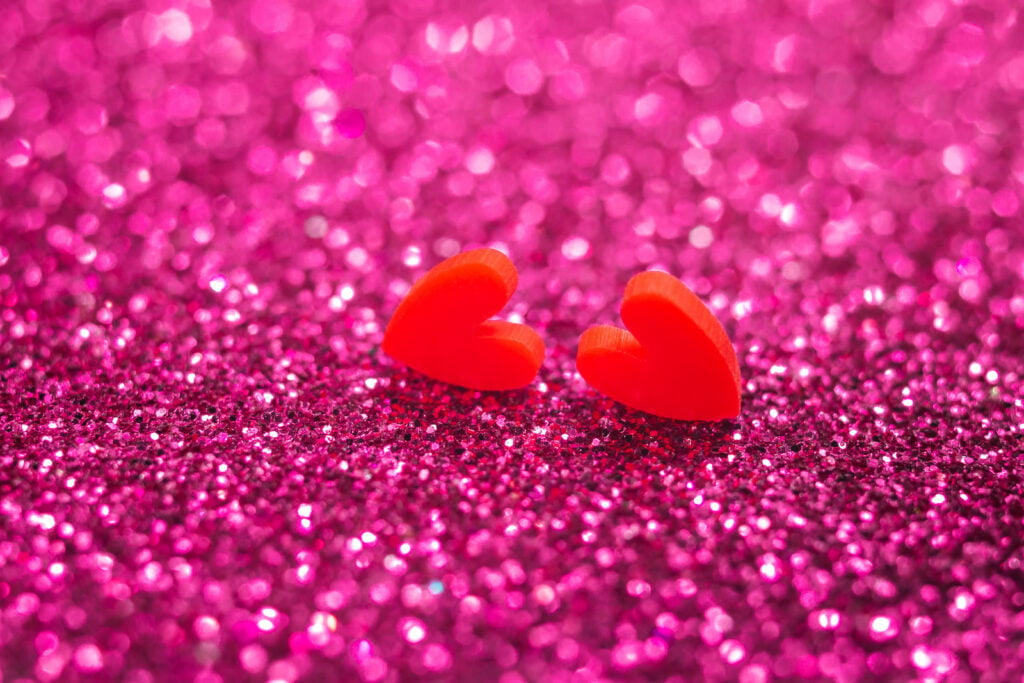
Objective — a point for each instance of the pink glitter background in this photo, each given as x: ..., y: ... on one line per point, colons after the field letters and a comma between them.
x: 210, y: 473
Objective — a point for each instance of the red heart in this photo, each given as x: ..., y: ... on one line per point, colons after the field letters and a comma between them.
x: 680, y: 364
x: 441, y: 328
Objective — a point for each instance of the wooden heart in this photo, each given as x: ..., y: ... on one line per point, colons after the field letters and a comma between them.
x: 675, y: 361
x: 441, y: 328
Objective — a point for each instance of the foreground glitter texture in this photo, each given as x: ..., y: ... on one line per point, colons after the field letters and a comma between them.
x: 209, y: 472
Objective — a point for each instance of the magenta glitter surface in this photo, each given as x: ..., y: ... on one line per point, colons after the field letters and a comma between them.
x: 209, y: 472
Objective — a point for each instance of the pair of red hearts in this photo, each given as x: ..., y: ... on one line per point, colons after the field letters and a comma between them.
x: 675, y: 361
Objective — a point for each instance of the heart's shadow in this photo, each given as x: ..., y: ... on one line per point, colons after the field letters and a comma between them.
x: 556, y: 427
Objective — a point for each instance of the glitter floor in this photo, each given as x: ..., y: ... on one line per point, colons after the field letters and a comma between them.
x: 209, y: 472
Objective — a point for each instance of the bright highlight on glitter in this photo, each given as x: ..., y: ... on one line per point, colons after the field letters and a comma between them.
x: 413, y: 630
x: 697, y: 161
x: 493, y: 35
x: 6, y: 103
x: 954, y: 158
x: 524, y: 77
x: 648, y: 107
x: 575, y: 248
x: 701, y: 237
x: 114, y: 195
x: 699, y: 67
x: 175, y: 26
x: 747, y: 114
x: 480, y: 160
x: 404, y: 78
x: 446, y: 39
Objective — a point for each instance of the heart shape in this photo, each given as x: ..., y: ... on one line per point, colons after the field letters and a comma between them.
x: 441, y: 328
x: 675, y: 361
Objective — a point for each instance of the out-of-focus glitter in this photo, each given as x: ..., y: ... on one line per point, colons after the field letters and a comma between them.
x: 209, y: 472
